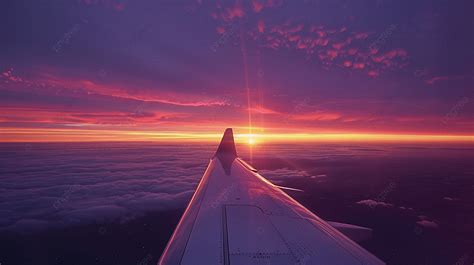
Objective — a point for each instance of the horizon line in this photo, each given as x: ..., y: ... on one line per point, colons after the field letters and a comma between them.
x: 67, y: 135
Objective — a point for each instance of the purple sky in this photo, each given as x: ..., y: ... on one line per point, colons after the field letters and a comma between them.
x: 314, y: 66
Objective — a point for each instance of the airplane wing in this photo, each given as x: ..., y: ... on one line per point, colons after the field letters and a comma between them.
x: 238, y: 217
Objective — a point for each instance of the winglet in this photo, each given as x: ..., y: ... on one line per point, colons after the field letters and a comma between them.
x: 226, y: 151
x: 227, y: 145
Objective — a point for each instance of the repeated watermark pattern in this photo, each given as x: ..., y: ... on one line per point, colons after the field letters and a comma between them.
x: 454, y: 112
x: 418, y: 230
x: 102, y: 73
x: 65, y: 197
x: 102, y: 230
x: 463, y: 260
x: 141, y: 34
x: 145, y: 260
x: 223, y: 196
x: 66, y: 38
x: 421, y: 72
x: 298, y: 106
x: 229, y: 32
x: 303, y: 255
x: 303, y: 260
x: 382, y: 196
x: 27, y: 147
x: 382, y: 38
x: 138, y: 112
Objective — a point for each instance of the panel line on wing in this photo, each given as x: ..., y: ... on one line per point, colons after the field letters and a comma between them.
x: 253, y: 238
x: 225, y: 235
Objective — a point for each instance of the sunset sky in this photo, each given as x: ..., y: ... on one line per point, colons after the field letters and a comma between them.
x: 82, y: 70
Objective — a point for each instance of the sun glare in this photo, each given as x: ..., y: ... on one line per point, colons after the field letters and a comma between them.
x: 251, y: 141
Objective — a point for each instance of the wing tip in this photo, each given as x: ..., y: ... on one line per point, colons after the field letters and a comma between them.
x: 226, y: 151
x: 227, y: 145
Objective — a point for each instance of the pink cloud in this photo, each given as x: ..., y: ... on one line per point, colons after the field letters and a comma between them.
x: 332, y: 54
x: 359, y: 65
x: 230, y: 13
x: 378, y: 59
x: 237, y: 11
x: 388, y: 56
x: 394, y: 53
x: 274, y: 3
x: 450, y: 199
x: 347, y: 63
x: 297, y: 28
x: 301, y: 45
x: 119, y: 6
x: 321, y: 42
x: 373, y: 204
x: 294, y: 37
x: 71, y: 116
x: 9, y: 76
x: 220, y: 30
x: 50, y: 81
x: 257, y: 6
x: 143, y: 95
x: 436, y: 79
x: 373, y: 73
x: 317, y: 116
x: 428, y: 224
x: 321, y: 33
x: 352, y: 51
x: 373, y: 50
x: 338, y: 46
x: 261, y: 26
x: 330, y: 47
x: 361, y: 35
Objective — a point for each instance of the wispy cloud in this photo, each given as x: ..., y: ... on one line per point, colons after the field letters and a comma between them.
x: 437, y: 79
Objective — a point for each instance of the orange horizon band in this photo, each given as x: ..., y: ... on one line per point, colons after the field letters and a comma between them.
x: 81, y: 135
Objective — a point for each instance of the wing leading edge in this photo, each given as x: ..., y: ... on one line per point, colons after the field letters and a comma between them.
x: 238, y: 217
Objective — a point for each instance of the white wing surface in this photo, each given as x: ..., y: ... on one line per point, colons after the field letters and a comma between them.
x: 238, y: 217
